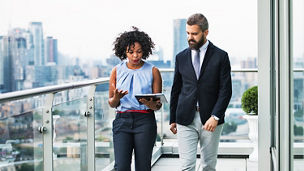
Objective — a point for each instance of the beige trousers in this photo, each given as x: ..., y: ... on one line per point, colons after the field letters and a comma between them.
x: 188, y: 138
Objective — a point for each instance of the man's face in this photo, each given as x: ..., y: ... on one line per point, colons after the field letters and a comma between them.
x: 196, y: 37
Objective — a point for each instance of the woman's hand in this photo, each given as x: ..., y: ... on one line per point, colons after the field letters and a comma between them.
x: 154, y: 105
x: 118, y: 94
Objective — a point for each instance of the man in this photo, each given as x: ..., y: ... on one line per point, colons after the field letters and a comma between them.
x: 200, y: 94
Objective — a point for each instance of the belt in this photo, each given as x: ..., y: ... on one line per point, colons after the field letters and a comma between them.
x: 135, y: 111
x: 197, y: 108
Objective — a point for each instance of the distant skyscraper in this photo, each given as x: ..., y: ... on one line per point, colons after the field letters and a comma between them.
x: 1, y: 64
x: 180, y: 37
x: 38, y: 44
x: 250, y: 77
x: 51, y: 51
x: 113, y: 60
x: 249, y: 63
x: 6, y: 58
x: 20, y: 55
x: 39, y: 76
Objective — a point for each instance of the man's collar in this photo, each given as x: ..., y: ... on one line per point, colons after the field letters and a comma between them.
x: 205, y: 46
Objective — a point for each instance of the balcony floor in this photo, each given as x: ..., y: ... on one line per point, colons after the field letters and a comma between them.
x: 227, y: 164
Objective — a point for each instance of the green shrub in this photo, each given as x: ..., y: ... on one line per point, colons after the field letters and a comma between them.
x: 250, y: 100
x: 229, y: 127
x: 298, y: 130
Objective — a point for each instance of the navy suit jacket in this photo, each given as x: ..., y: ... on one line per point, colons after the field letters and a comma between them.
x: 212, y: 90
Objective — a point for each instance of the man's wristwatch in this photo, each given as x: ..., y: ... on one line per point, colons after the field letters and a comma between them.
x: 215, y: 117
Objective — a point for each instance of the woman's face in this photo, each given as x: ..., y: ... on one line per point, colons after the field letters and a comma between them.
x: 134, y: 54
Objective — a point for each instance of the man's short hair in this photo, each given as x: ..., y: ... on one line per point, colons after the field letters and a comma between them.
x: 198, y: 19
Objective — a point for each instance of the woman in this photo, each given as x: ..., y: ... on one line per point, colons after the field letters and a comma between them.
x: 134, y: 127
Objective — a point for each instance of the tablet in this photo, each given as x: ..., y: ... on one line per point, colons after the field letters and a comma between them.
x: 155, y: 97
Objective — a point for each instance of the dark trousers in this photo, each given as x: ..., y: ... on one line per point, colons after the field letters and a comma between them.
x: 134, y: 131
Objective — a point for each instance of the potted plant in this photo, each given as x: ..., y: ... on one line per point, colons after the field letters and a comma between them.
x: 250, y: 106
x: 250, y: 101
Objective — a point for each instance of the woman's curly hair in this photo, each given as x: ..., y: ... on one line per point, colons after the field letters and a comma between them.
x: 128, y: 38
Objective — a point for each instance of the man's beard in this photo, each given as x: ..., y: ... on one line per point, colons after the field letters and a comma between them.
x: 196, y: 45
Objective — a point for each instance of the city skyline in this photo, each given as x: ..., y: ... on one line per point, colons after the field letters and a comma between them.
x: 32, y: 61
x: 88, y: 29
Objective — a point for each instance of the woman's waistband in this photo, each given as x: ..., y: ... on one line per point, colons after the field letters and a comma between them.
x: 135, y: 111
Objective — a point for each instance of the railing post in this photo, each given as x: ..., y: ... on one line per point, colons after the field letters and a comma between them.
x: 47, y: 130
x: 90, y: 114
x: 162, y: 126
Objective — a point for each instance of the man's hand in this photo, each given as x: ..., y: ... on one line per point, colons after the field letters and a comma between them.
x: 173, y: 128
x: 210, y: 124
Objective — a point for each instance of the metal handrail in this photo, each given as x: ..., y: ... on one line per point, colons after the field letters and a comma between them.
x: 49, y: 89
x: 298, y: 70
x: 236, y: 70
x: 232, y: 70
x: 57, y: 88
x: 16, y: 95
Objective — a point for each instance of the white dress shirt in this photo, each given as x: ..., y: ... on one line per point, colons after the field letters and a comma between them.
x: 203, y: 51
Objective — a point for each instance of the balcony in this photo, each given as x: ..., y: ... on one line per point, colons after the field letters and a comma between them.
x: 80, y: 117
x: 70, y: 127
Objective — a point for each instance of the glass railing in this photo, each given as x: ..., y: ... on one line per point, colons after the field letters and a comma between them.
x: 21, y: 146
x: 298, y: 110
x: 104, y: 115
x: 69, y: 135
x: 81, y: 122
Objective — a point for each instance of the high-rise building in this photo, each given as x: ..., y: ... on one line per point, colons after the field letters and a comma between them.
x: 1, y: 65
x: 180, y: 37
x: 20, y: 56
x: 39, y: 76
x: 250, y: 77
x: 51, y: 51
x: 249, y: 63
x: 38, y: 44
x: 6, y: 60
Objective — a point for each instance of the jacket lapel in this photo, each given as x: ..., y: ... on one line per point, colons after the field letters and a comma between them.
x: 206, y: 58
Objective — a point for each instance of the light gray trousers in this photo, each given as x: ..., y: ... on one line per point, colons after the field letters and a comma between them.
x: 188, y: 138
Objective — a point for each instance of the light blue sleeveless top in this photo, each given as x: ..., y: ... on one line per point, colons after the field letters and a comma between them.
x: 136, y: 81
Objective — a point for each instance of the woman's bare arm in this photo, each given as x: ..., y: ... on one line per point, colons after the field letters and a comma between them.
x: 114, y: 94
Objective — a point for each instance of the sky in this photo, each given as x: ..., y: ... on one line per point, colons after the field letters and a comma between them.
x: 87, y: 28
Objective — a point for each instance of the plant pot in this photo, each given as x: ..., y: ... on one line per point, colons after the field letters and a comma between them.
x: 253, y: 135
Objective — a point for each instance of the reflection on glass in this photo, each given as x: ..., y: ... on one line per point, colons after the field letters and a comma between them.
x: 298, y: 83
x: 298, y: 107
x: 70, y: 135
x: 21, y: 146
x: 298, y: 124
